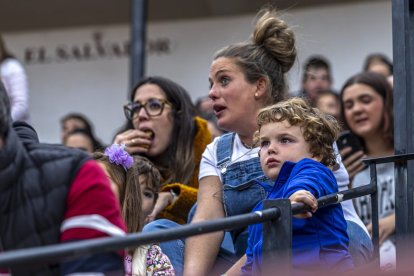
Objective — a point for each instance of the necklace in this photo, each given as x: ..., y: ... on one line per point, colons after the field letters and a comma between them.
x: 223, y: 168
x: 246, y: 145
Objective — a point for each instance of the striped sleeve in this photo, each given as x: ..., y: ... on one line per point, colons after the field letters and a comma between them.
x: 92, y: 209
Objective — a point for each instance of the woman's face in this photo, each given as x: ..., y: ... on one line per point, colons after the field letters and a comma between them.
x: 161, y: 126
x: 364, y: 110
x: 70, y: 125
x: 233, y: 97
x: 79, y: 141
x: 380, y: 68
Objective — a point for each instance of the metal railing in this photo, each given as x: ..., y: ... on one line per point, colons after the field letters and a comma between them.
x: 276, y: 217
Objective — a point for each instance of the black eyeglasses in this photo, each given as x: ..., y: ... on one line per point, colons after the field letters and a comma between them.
x: 153, y: 107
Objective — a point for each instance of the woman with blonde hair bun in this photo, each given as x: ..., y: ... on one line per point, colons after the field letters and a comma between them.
x: 244, y: 78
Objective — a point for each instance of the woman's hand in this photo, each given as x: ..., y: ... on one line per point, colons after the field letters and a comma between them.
x: 306, y: 198
x: 353, y: 163
x: 386, y: 228
x: 164, y: 199
x: 135, y: 140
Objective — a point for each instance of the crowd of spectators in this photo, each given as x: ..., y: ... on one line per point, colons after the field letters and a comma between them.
x: 176, y: 162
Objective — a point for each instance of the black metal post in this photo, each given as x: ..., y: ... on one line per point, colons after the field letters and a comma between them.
x: 277, y: 239
x: 374, y: 210
x: 138, y: 40
x: 403, y: 48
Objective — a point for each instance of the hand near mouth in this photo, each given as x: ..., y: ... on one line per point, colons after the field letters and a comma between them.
x: 136, y: 141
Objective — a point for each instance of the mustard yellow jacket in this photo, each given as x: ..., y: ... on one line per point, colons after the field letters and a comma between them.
x: 187, y: 194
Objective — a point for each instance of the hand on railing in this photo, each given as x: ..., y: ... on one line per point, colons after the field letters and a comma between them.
x: 306, y: 198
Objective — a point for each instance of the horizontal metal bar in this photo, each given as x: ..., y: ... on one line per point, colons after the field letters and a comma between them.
x: 389, y: 159
x: 54, y: 253
x: 330, y: 199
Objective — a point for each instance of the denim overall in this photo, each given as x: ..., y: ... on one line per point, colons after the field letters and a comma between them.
x: 241, y: 191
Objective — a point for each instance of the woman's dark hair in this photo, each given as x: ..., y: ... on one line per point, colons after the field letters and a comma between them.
x: 178, y: 160
x: 377, y: 57
x: 98, y: 145
x: 79, y: 117
x: 380, y: 85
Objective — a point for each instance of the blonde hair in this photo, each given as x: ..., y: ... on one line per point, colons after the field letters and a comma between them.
x: 269, y: 54
x: 319, y: 130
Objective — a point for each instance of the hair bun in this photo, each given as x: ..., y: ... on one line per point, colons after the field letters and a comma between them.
x: 275, y: 36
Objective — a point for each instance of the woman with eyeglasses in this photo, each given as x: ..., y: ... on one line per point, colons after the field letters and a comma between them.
x: 166, y: 130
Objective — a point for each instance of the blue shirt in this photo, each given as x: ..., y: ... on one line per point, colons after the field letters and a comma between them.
x: 320, y: 242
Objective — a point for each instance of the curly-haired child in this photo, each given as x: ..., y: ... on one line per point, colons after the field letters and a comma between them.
x: 136, y: 182
x: 296, y: 152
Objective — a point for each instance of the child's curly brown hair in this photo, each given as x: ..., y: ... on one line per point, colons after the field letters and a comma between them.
x: 319, y: 130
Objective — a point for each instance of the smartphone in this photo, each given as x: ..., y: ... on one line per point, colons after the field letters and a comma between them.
x: 347, y: 139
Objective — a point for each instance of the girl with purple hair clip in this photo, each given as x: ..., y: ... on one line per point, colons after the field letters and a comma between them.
x: 135, y: 181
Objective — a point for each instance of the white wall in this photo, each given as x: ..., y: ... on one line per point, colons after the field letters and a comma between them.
x: 98, y: 86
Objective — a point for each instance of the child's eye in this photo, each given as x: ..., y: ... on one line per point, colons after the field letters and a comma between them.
x: 149, y: 194
x: 285, y: 140
x: 264, y: 144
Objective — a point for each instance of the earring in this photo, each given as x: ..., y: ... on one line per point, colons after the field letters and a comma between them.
x: 256, y: 94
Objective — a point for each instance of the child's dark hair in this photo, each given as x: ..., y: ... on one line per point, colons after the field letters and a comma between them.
x: 319, y: 130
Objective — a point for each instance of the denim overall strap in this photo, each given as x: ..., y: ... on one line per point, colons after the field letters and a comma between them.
x: 225, y: 149
x: 241, y: 191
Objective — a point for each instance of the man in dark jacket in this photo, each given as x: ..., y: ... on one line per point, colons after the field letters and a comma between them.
x: 51, y: 194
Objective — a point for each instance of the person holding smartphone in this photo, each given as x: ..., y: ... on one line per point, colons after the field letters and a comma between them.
x: 367, y: 107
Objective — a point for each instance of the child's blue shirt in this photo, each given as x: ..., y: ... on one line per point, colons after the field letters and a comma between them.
x: 319, y: 242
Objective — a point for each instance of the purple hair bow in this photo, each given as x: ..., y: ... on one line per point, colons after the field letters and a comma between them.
x: 119, y: 156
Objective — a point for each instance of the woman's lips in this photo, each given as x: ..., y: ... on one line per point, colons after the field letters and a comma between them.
x: 218, y: 109
x: 150, y: 132
x: 361, y: 121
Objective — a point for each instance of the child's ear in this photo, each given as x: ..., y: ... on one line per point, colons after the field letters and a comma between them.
x: 317, y: 158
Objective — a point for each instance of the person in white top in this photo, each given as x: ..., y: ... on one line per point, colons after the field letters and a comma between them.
x: 244, y: 78
x: 367, y: 102
x: 13, y: 76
